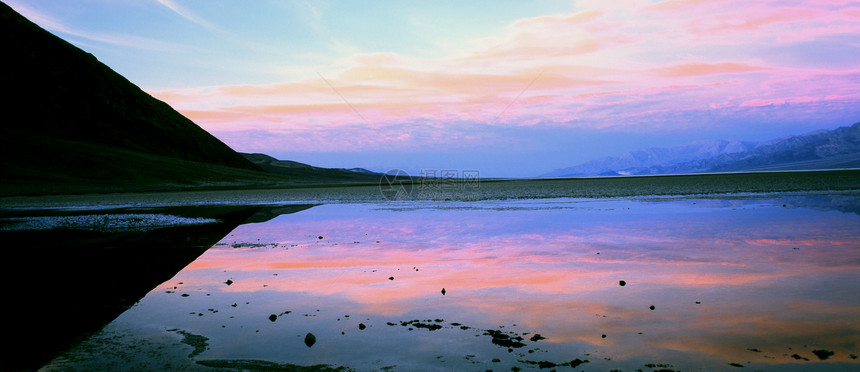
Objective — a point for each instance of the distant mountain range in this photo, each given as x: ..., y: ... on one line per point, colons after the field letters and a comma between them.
x: 823, y: 149
x: 73, y: 125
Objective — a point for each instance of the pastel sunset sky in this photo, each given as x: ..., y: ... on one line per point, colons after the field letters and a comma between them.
x: 509, y: 88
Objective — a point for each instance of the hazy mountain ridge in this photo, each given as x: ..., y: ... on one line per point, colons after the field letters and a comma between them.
x: 822, y: 149
x: 301, y: 170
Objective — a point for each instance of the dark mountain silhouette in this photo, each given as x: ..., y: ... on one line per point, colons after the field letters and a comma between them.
x: 823, y: 149
x: 71, y: 123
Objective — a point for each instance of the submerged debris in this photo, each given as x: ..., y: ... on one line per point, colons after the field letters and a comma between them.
x: 199, y: 343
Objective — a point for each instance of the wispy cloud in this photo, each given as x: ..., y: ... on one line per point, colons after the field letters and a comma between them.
x: 620, y: 65
x: 190, y: 16
x: 124, y: 40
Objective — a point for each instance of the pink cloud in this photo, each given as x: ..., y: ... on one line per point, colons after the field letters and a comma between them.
x: 607, y: 66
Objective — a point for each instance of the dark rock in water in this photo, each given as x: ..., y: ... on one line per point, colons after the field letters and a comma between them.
x: 443, y: 291
x: 736, y: 365
x: 273, y: 317
x: 543, y: 364
x: 361, y: 326
x: 431, y: 327
x: 228, y: 282
x: 319, y: 237
x: 504, y: 340
x: 390, y: 278
x: 798, y: 357
x: 310, y: 339
x: 537, y: 337
x: 852, y: 356
x: 754, y: 350
x: 652, y: 307
x: 822, y: 354
x: 576, y: 362
x: 603, y: 336
x: 622, y: 283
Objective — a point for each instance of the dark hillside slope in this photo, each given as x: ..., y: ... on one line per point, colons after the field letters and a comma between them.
x: 303, y: 171
x: 65, y: 114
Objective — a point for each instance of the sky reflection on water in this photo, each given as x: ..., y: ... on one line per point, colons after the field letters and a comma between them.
x: 750, y: 282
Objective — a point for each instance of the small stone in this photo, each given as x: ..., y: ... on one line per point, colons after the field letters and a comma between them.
x: 228, y: 282
x: 823, y: 354
x: 319, y: 237
x: 652, y: 307
x: 310, y: 339
x: 622, y: 283
x: 602, y: 336
x: 443, y: 291
x: 390, y: 278
x: 273, y: 317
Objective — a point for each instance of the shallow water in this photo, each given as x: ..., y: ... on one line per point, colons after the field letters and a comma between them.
x: 709, y: 284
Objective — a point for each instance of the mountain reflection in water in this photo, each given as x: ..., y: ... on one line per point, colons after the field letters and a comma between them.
x: 75, y: 270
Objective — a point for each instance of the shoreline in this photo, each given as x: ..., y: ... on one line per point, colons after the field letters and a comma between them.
x: 697, y: 185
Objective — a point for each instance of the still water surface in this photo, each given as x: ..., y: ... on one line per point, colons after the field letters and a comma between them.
x: 708, y: 285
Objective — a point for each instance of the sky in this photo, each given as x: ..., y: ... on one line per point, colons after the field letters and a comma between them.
x: 507, y: 88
